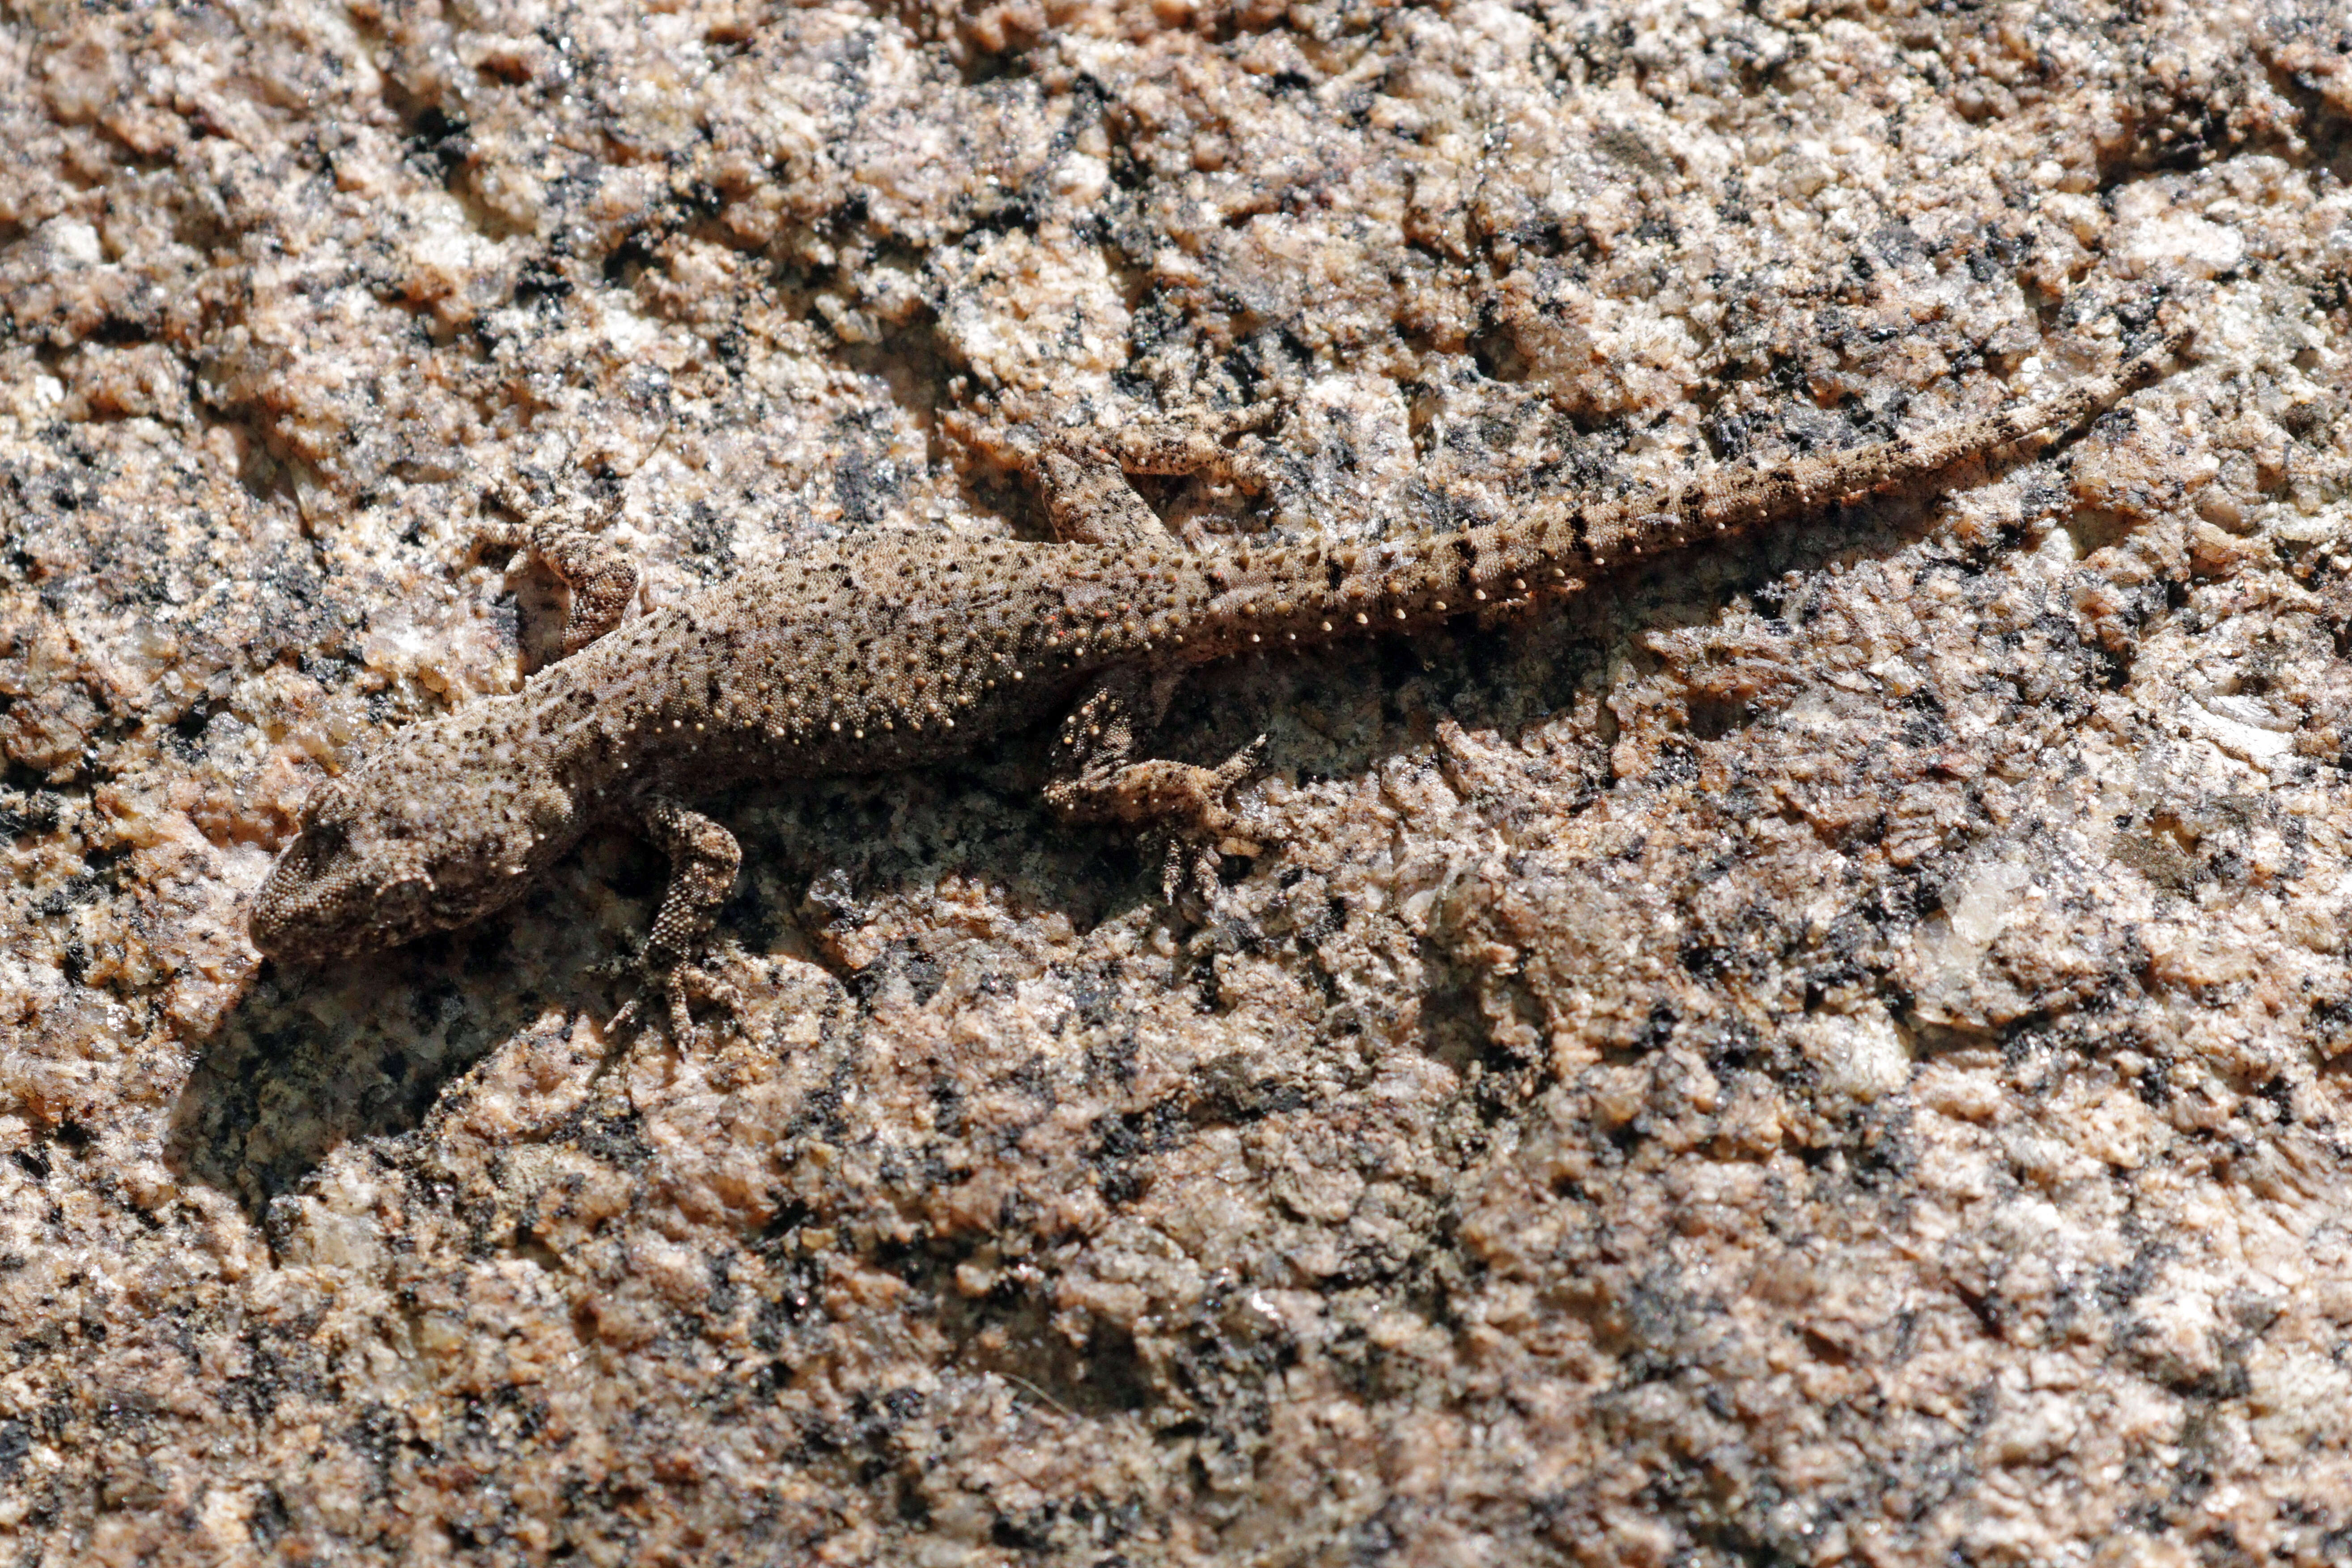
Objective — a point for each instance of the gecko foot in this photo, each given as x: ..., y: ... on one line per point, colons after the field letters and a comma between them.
x: 703, y: 859
x: 1196, y: 826
x: 678, y: 985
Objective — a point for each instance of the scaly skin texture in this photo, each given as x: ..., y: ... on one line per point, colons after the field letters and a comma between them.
x: 909, y: 648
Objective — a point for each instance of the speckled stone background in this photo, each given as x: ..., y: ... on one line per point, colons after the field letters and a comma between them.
x: 1832, y: 1050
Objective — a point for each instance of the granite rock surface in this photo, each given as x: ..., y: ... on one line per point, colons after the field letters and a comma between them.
x: 1828, y: 1050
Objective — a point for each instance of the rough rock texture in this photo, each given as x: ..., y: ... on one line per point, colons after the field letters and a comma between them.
x: 1830, y: 1051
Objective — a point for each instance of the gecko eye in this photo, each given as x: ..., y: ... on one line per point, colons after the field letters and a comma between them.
x: 330, y: 810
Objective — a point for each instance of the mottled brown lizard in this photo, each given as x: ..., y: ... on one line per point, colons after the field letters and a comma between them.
x: 901, y: 648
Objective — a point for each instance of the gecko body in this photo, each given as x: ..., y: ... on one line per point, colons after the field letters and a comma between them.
x: 907, y: 648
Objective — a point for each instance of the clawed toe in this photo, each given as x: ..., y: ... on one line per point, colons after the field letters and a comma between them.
x: 1188, y: 866
x: 687, y: 983
x: 1242, y: 763
x: 1226, y: 774
x: 679, y: 986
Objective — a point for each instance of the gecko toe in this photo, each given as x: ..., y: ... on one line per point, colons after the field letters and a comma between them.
x: 691, y: 982
x: 1242, y: 763
x: 1171, y: 869
x: 678, y: 986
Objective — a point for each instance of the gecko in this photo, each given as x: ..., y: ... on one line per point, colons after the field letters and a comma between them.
x: 901, y: 648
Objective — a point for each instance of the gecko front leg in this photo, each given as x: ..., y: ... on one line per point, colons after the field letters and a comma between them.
x: 703, y: 860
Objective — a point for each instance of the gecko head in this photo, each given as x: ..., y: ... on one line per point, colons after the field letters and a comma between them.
x: 436, y: 829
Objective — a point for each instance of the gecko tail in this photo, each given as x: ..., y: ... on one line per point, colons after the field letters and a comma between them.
x: 1578, y: 541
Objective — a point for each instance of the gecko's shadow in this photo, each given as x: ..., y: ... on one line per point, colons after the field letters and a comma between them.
x: 315, y: 1056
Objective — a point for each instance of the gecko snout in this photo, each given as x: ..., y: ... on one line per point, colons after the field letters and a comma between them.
x: 323, y: 898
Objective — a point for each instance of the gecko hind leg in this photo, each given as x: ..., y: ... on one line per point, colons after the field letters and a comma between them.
x: 1097, y: 779
x: 1178, y: 446
x: 1083, y: 473
x: 601, y: 575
